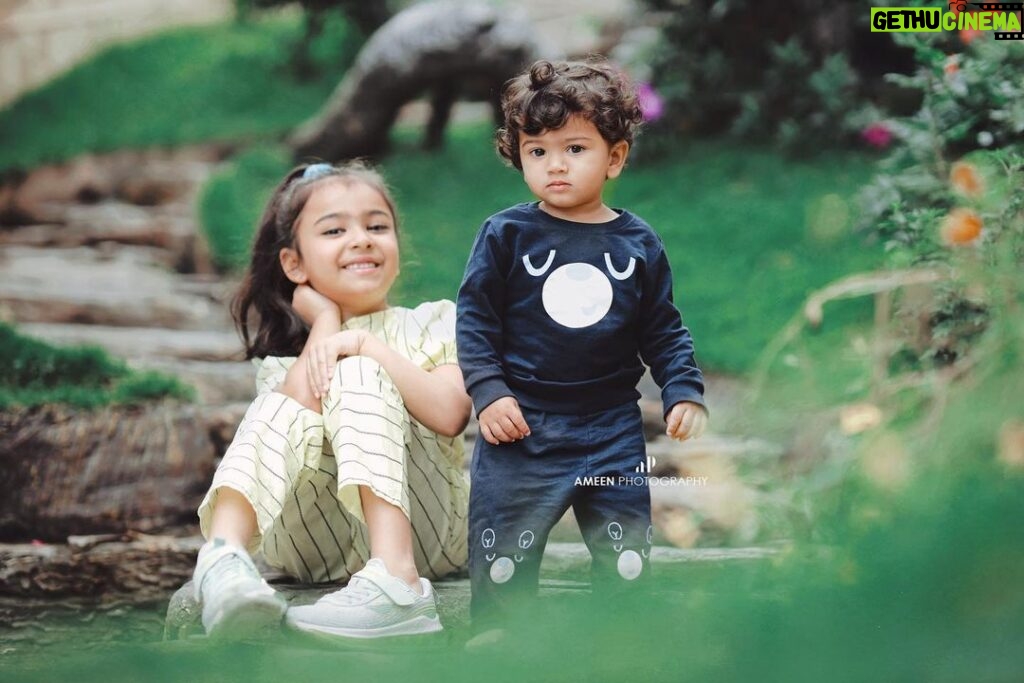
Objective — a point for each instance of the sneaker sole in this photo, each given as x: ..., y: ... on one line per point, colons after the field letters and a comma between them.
x: 255, y: 617
x: 420, y: 625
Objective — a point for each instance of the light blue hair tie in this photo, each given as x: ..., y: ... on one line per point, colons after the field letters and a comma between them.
x: 314, y: 171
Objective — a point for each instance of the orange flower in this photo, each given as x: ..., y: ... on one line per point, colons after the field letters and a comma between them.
x: 961, y: 226
x: 967, y: 35
x: 966, y: 180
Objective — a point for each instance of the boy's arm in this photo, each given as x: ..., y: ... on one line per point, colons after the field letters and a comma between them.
x: 478, y: 326
x: 665, y: 343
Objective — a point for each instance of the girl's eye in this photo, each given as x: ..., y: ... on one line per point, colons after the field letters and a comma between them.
x: 536, y: 152
x: 379, y: 228
x: 334, y: 231
x: 575, y: 149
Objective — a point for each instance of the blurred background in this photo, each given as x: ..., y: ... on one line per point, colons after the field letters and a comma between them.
x: 844, y: 215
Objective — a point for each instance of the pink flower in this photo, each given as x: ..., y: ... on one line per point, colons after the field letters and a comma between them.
x: 877, y: 135
x: 651, y: 104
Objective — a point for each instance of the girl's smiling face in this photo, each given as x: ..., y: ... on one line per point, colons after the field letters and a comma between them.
x: 345, y: 247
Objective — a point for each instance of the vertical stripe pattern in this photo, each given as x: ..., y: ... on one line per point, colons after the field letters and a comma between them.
x: 301, y: 470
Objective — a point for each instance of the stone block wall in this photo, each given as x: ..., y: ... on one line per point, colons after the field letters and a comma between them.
x: 41, y: 38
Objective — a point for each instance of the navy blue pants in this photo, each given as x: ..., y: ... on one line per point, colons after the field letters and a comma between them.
x: 595, y: 464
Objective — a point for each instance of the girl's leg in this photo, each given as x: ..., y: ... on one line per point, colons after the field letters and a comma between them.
x: 258, y: 471
x: 369, y: 430
x: 233, y: 518
x: 390, y: 537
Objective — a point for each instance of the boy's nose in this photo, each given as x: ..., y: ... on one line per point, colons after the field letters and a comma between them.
x: 556, y: 162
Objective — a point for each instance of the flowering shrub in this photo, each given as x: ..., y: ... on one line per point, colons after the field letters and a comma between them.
x: 877, y: 135
x: 803, y: 77
x: 954, y: 166
x: 951, y: 191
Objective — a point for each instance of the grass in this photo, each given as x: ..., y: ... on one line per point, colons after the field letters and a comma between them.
x: 914, y: 578
x: 921, y: 582
x: 749, y: 234
x: 34, y: 373
x: 226, y: 82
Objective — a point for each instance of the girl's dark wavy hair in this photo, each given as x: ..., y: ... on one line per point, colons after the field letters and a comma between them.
x: 544, y: 97
x: 264, y: 299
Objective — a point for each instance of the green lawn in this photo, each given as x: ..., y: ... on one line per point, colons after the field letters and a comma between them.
x: 226, y: 82
x: 34, y: 373
x: 749, y: 233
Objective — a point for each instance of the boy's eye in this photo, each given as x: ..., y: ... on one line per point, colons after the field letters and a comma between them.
x: 536, y: 152
x: 381, y: 227
x: 334, y: 231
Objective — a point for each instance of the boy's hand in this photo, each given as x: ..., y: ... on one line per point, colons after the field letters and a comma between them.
x: 309, y: 303
x: 686, y: 420
x: 503, y: 422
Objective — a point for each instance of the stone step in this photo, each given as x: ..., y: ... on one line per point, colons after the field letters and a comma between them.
x: 216, y: 383
x: 143, y: 342
x: 116, y: 585
x: 170, y: 228
x: 561, y: 561
x: 122, y: 286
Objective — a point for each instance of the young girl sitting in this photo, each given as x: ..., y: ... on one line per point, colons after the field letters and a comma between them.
x: 348, y: 465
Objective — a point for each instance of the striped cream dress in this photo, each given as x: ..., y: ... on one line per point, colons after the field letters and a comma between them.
x: 301, y: 470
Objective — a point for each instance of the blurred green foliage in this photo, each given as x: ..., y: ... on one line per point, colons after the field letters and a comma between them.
x: 33, y: 373
x: 217, y: 83
x: 367, y: 17
x: 232, y: 201
x: 972, y: 111
x: 951, y: 192
x: 804, y: 75
x: 748, y: 233
x: 320, y: 20
x: 921, y: 582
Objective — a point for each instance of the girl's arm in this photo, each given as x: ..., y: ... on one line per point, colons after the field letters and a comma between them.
x: 298, y: 382
x: 436, y: 398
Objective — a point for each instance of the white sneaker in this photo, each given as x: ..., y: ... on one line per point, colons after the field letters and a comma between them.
x: 237, y: 602
x: 374, y: 604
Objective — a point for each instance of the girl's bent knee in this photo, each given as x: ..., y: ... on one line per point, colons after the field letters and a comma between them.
x: 362, y: 385
x: 360, y: 371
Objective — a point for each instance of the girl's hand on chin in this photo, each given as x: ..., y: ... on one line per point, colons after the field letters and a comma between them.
x: 309, y: 303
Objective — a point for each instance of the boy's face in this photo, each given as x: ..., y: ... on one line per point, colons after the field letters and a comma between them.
x: 566, y: 168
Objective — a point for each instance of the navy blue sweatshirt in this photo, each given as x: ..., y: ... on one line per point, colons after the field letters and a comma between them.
x: 559, y: 314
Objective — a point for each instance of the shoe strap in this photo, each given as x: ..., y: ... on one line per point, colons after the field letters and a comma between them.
x: 397, y: 590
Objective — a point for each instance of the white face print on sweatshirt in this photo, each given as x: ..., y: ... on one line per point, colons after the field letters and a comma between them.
x: 577, y: 294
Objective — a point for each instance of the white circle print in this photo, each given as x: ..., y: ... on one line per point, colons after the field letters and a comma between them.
x: 577, y: 295
x: 502, y: 570
x: 630, y: 565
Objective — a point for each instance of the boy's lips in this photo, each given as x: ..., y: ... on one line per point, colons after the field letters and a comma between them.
x: 558, y: 184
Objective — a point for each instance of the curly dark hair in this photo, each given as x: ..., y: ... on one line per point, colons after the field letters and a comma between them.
x: 548, y: 93
x: 265, y: 289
